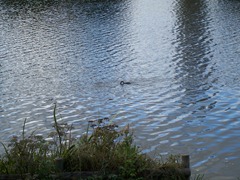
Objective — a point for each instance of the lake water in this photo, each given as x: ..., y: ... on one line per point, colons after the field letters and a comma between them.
x: 181, y: 57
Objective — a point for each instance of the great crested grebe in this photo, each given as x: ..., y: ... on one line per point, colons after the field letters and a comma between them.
x: 122, y: 83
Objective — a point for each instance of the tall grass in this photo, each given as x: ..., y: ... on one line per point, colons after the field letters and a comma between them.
x: 32, y: 154
x: 104, y: 148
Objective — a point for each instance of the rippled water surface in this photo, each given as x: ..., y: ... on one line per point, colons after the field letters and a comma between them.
x: 181, y: 57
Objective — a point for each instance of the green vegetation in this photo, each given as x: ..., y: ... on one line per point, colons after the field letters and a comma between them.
x: 104, y: 149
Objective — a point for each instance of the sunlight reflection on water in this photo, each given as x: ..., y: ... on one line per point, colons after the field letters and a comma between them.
x: 181, y: 59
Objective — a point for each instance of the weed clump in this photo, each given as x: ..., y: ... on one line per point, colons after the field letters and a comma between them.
x: 103, y: 149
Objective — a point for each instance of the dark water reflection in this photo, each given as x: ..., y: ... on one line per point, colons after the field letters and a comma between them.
x: 182, y: 58
x: 193, y: 51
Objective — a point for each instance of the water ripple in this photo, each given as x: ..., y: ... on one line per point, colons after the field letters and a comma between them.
x: 181, y: 59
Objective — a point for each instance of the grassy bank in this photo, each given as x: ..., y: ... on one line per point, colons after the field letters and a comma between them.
x: 104, y: 149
